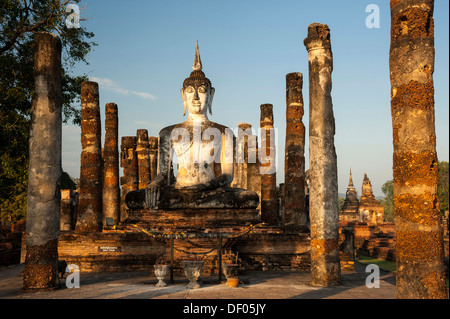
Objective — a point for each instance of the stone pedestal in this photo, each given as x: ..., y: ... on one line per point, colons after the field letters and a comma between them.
x: 194, y: 220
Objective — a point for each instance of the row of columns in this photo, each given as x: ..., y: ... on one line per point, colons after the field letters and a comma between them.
x: 138, y: 158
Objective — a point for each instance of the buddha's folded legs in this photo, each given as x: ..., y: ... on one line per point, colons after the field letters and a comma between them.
x: 171, y: 198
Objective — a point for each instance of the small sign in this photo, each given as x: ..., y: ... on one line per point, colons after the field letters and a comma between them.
x: 109, y: 249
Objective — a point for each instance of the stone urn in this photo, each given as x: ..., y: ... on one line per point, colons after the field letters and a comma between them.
x: 231, y: 273
x: 161, y: 272
x: 193, y: 270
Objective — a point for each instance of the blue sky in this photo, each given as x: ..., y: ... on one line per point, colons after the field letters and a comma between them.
x: 146, y: 49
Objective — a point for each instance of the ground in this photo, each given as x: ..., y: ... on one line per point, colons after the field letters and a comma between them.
x: 257, y: 285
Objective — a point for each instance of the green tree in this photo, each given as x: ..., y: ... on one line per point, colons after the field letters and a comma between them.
x: 443, y: 192
x: 341, y: 201
x: 443, y: 186
x: 19, y: 21
x: 388, y: 201
x: 67, y: 182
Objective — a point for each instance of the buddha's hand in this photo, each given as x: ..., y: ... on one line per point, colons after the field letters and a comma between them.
x: 152, y: 193
x: 197, y: 187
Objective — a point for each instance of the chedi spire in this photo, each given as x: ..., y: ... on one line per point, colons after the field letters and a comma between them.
x: 197, y: 66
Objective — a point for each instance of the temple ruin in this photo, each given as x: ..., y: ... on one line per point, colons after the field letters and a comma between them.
x: 220, y: 203
x: 367, y: 209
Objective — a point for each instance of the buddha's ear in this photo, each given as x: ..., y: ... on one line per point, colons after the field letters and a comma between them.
x: 211, y: 96
x: 183, y: 97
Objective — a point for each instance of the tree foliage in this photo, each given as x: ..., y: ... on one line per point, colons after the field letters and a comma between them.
x: 443, y: 186
x: 388, y: 201
x: 20, y: 20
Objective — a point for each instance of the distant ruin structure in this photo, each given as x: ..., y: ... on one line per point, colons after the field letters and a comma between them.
x: 370, y: 210
x: 350, y: 209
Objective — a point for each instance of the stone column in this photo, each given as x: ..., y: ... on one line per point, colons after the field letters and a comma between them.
x: 44, y: 175
x: 143, y: 158
x: 111, y: 188
x: 294, y: 178
x: 153, y: 153
x: 419, y: 241
x: 323, y: 186
x: 269, y: 212
x: 129, y: 180
x: 89, y: 217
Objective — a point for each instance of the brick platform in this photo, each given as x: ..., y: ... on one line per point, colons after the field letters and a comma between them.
x: 211, y: 235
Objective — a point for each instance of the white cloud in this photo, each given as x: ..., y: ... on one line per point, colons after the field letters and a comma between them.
x: 110, y: 85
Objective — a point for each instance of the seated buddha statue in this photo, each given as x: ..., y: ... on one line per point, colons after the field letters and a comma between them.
x: 205, y: 154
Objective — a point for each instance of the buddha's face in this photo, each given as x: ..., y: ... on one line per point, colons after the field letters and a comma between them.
x: 197, y: 98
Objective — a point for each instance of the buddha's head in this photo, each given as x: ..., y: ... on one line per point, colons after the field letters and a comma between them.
x: 197, y: 92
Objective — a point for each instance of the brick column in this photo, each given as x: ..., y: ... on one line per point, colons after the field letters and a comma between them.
x: 323, y: 187
x: 111, y: 190
x: 253, y: 167
x: 241, y: 164
x: 44, y: 175
x: 294, y: 178
x: 269, y: 213
x: 129, y: 180
x: 419, y: 241
x: 89, y: 215
x: 153, y: 153
x: 143, y: 158
x: 67, y: 209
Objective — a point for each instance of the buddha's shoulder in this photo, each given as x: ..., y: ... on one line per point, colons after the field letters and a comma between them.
x: 221, y: 127
x: 170, y: 128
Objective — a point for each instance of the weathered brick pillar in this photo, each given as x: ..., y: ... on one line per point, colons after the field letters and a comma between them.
x: 111, y: 188
x: 253, y: 166
x: 294, y: 178
x: 323, y: 187
x: 67, y: 209
x: 89, y: 215
x: 44, y: 175
x: 153, y: 153
x: 143, y: 158
x: 269, y: 212
x: 241, y: 164
x: 129, y: 162
x: 419, y: 241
